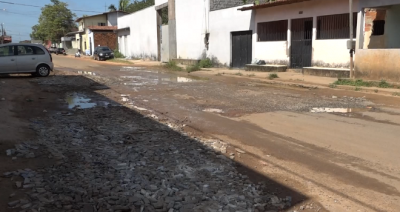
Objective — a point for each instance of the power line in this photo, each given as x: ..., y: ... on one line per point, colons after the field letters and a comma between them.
x: 31, y: 15
x: 29, y: 5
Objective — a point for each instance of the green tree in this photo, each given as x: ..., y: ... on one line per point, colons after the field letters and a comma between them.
x: 112, y: 8
x: 123, y: 6
x: 56, y: 20
x: 139, y: 5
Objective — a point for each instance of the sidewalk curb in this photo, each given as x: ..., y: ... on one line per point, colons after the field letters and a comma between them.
x: 367, y: 90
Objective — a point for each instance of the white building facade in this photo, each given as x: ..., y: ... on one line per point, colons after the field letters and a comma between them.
x: 306, y: 33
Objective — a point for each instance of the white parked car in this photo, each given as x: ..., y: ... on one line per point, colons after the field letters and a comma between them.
x: 18, y: 58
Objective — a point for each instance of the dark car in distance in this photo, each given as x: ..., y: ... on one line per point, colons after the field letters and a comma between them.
x: 52, y: 49
x: 60, y: 51
x: 103, y: 53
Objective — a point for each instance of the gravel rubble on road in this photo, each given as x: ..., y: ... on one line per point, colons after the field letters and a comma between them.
x: 114, y: 159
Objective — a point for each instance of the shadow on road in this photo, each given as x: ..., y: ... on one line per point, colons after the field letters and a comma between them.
x: 111, y: 156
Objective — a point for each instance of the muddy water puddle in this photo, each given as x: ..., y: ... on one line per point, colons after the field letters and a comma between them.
x: 213, y: 110
x: 339, y: 110
x: 142, y: 78
x: 82, y: 101
x: 87, y: 73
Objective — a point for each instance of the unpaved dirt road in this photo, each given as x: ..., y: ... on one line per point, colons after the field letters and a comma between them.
x: 328, y: 149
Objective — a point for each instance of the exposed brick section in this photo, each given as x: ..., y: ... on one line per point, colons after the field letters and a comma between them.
x: 105, y: 39
x: 223, y: 4
x: 372, y: 15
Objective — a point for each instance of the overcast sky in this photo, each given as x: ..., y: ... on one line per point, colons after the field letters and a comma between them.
x: 18, y: 20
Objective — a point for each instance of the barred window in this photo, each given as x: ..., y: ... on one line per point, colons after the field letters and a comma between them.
x: 272, y: 31
x: 335, y: 26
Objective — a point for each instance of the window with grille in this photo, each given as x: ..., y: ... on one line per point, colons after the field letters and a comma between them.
x: 379, y: 27
x: 335, y: 26
x: 272, y: 31
x: 101, y: 24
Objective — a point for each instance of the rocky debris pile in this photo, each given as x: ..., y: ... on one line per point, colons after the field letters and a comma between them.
x: 24, y: 150
x: 113, y: 159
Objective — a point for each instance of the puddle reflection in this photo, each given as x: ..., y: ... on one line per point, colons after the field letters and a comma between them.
x: 81, y: 101
x: 213, y: 110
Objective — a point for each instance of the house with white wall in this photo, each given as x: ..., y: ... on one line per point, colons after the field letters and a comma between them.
x: 300, y: 34
x: 312, y: 35
x: 195, y: 29
x: 303, y: 33
x: 83, y: 38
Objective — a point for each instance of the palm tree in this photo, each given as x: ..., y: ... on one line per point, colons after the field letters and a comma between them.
x: 123, y: 6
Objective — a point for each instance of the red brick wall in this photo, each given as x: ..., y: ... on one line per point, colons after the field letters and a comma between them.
x: 105, y: 39
x: 373, y: 15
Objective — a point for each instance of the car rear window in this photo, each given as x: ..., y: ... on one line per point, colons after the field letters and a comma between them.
x: 38, y: 50
x: 25, y: 50
x: 6, y: 51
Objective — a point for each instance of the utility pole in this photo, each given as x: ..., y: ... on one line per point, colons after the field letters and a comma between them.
x: 2, y: 34
x: 351, y: 40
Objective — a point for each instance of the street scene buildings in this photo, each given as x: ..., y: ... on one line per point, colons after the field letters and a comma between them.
x: 200, y: 106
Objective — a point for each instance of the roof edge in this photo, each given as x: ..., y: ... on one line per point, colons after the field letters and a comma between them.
x: 271, y: 4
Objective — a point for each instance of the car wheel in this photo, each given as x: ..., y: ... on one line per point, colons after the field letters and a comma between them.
x: 42, y: 71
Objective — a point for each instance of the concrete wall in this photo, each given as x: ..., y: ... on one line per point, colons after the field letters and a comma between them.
x: 376, y: 3
x: 222, y: 23
x: 112, y: 18
x: 194, y: 20
x: 91, y: 40
x: 392, y: 29
x: 141, y: 41
x: 390, y: 38
x: 191, y: 27
x: 373, y: 41
x: 377, y: 64
x: 94, y: 21
x: 327, y: 53
x: 158, y: 2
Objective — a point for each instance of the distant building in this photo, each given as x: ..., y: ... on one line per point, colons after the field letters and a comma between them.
x: 5, y: 39
x: 94, y: 30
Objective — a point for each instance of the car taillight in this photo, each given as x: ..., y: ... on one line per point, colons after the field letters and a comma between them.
x: 51, y: 58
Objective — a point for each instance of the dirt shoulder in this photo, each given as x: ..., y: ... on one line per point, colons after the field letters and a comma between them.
x: 21, y: 101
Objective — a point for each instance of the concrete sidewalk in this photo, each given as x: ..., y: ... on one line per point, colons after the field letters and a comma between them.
x: 294, y: 78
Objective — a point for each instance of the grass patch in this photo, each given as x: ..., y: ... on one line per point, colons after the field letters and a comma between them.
x: 396, y: 94
x: 118, y: 54
x: 239, y: 74
x: 376, y: 90
x: 219, y: 74
x: 362, y: 83
x: 206, y: 63
x: 193, y: 68
x: 272, y: 76
x: 357, y: 89
x: 332, y: 85
x: 171, y: 65
x: 251, y: 75
x: 115, y: 60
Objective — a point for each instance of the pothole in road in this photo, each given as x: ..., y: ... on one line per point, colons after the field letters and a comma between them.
x: 81, y: 101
